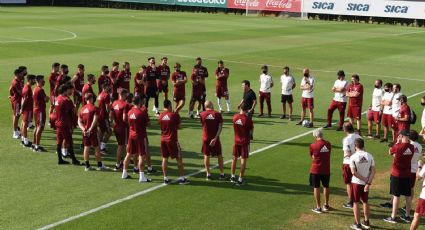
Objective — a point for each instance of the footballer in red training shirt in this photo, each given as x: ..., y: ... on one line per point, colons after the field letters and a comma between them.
x: 103, y: 78
x: 113, y: 77
x: 243, y: 128
x: 164, y: 76
x: 403, y: 118
x: 355, y: 102
x: 87, y: 121
x: 151, y: 88
x: 203, y: 73
x: 88, y: 87
x: 54, y: 74
x: 124, y: 77
x: 15, y: 96
x: 27, y: 106
x: 40, y: 99
x: 320, y: 152
x: 212, y: 125
x: 78, y: 81
x: 119, y: 111
x: 139, y: 82
x: 221, y: 90
x: 138, y: 120
x: 104, y: 125
x: 170, y: 147
x: 197, y: 91
x: 179, y: 80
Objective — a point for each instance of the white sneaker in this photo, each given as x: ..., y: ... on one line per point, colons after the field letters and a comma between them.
x: 144, y: 180
x: 16, y: 135
x: 88, y: 169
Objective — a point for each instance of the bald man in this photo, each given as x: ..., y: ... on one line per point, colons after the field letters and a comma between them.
x: 307, y: 97
x: 212, y: 124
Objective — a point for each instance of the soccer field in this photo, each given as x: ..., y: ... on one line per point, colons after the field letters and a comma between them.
x: 36, y: 192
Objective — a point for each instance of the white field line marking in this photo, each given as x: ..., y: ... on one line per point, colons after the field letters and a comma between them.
x: 24, y: 40
x: 107, y: 205
x: 408, y: 33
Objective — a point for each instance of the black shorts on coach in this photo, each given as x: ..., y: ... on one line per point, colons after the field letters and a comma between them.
x: 316, y: 179
x: 400, y: 186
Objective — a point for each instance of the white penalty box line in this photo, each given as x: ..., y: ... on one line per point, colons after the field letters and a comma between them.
x: 157, y: 187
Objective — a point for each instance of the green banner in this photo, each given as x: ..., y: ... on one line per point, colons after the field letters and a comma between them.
x: 203, y: 3
x: 167, y: 2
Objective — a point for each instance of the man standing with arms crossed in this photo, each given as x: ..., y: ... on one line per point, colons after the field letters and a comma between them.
x: 221, y: 90
x: 164, y: 76
x: 376, y: 110
x: 249, y: 100
x: 212, y: 124
x: 387, y: 118
x: 78, y: 81
x: 40, y: 99
x: 339, y: 101
x: 266, y: 84
x: 288, y: 84
x: 203, y: 73
x: 179, y: 80
x: 27, y: 106
x: 355, y: 93
x: 307, y: 97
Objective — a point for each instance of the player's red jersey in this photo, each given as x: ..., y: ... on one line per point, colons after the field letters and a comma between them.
x: 138, y: 120
x: 39, y: 97
x: 403, y: 153
x: 179, y: 76
x: 64, y: 109
x: 79, y: 83
x: 123, y: 79
x: 27, y: 96
x: 103, y: 102
x: 356, y: 101
x: 211, y: 121
x: 404, y: 111
x: 164, y: 72
x: 197, y: 87
x: 139, y: 89
x: 119, y: 108
x: 87, y: 88
x: 152, y: 75
x: 203, y: 73
x: 321, y: 153
x: 15, y: 90
x: 87, y: 114
x: 223, y: 75
x: 103, y: 79
x: 52, y: 82
x: 242, y: 126
x: 169, y: 123
x: 113, y: 77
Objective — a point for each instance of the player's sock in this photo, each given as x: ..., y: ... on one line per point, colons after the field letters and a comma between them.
x: 233, y: 175
x: 102, y: 145
x: 87, y: 164
x: 142, y: 176
x: 166, y: 178
x: 25, y: 140
x: 181, y: 178
x: 36, y: 146
x: 240, y: 179
x: 64, y: 152
x: 219, y: 103
x: 99, y: 164
x: 228, y: 105
x: 149, y: 168
x: 197, y: 112
x: 124, y: 174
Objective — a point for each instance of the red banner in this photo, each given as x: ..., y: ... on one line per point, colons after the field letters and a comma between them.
x: 266, y: 5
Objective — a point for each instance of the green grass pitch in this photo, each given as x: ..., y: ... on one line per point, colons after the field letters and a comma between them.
x: 35, y: 191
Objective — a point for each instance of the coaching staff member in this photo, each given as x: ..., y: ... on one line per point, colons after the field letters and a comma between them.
x: 249, y: 100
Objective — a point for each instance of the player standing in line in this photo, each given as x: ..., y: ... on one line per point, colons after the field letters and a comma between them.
x: 124, y: 77
x: 202, y: 71
x: 320, y: 170
x: 151, y: 88
x: 65, y: 114
x: 307, y: 97
x: 170, y: 147
x: 138, y: 120
x: 221, y: 90
x: 63, y: 76
x: 88, y: 87
x: 119, y: 116
x: 375, y: 110
x: 355, y: 102
x: 402, y: 121
x: 362, y: 167
x: 103, y: 78
x: 113, y: 77
x: 15, y: 96
x: 243, y: 128
x: 348, y: 146
x: 339, y: 101
x: 104, y: 124
x: 197, y: 91
x: 395, y: 104
x: 266, y: 84
x: 139, y: 82
x: 387, y: 118
x: 87, y: 121
x: 179, y: 80
x: 40, y: 99
x: 402, y: 151
x: 54, y: 74
x: 288, y: 84
x: 164, y: 76
x: 212, y: 125
x: 78, y: 81
x: 27, y: 106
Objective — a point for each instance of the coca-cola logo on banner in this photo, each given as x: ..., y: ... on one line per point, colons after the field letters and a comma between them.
x: 269, y: 5
x: 251, y: 3
x: 279, y: 4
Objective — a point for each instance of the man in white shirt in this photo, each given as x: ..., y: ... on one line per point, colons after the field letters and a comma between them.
x: 349, y: 149
x: 266, y: 84
x: 396, y: 105
x: 387, y: 117
x: 362, y: 167
x: 375, y: 110
x: 339, y: 101
x: 307, y: 97
x: 420, y: 206
x: 423, y: 119
x: 288, y: 84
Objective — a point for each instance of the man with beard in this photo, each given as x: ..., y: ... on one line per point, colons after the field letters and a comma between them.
x: 339, y: 101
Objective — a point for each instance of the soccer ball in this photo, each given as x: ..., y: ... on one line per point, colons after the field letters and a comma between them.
x: 306, y: 123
